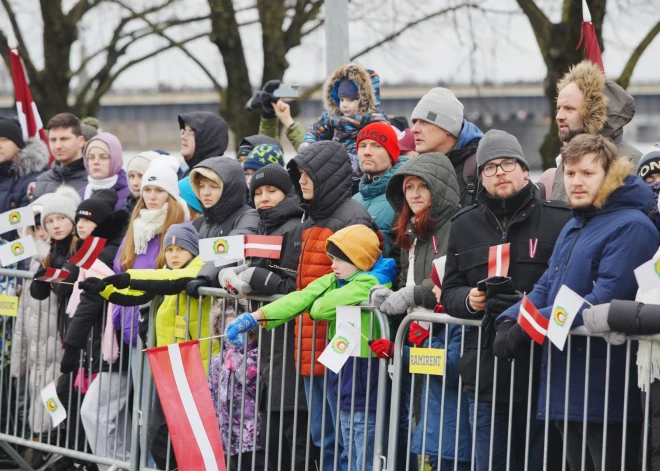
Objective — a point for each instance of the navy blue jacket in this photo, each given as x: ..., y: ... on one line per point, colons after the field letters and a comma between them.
x: 595, y: 256
x: 17, y: 174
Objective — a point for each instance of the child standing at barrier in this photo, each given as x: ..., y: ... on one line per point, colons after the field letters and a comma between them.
x: 137, y: 287
x: 357, y: 266
x: 233, y: 381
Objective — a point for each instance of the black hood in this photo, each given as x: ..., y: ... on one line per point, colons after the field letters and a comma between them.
x: 327, y: 164
x: 233, y: 195
x: 211, y: 134
x: 271, y: 219
x: 259, y: 139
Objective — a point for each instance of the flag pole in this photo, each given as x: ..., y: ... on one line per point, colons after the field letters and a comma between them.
x: 199, y: 340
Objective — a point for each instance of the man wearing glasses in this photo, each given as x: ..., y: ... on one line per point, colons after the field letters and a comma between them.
x: 203, y: 135
x: 509, y: 211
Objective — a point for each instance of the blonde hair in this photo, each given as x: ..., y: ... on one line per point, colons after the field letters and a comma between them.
x: 175, y: 215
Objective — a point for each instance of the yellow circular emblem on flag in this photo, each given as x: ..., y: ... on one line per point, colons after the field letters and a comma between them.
x: 340, y: 344
x: 560, y: 315
x: 17, y: 249
x: 51, y: 404
x: 657, y: 267
x: 14, y: 217
x: 220, y: 247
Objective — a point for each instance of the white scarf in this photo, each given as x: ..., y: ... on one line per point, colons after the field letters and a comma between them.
x: 146, y: 226
x: 101, y: 184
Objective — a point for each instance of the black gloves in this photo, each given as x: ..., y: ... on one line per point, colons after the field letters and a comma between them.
x: 39, y: 290
x: 192, y: 288
x: 120, y: 281
x: 143, y: 324
x: 264, y: 99
x: 69, y: 359
x: 500, y: 295
x: 39, y: 273
x: 92, y: 285
x: 509, y: 341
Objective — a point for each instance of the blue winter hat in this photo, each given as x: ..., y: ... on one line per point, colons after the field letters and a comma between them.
x: 185, y: 236
x: 187, y: 194
x: 347, y: 89
x: 262, y: 155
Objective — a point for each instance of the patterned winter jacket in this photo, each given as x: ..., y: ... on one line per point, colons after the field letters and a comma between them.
x: 224, y: 365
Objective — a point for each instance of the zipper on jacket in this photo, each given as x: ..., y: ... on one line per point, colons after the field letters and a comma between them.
x: 505, y: 233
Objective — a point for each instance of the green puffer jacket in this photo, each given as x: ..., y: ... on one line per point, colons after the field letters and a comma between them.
x: 294, y: 133
x: 438, y: 173
x: 326, y: 293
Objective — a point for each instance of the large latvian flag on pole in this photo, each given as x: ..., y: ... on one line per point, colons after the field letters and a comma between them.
x: 532, y: 321
x: 186, y: 401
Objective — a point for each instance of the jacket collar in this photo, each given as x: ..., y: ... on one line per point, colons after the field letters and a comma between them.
x: 271, y: 219
x: 371, y: 188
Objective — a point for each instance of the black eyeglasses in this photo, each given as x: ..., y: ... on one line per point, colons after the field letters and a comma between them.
x: 491, y: 169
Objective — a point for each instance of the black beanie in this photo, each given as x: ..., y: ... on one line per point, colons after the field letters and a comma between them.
x: 11, y: 129
x: 336, y: 252
x: 98, y: 206
x: 272, y: 174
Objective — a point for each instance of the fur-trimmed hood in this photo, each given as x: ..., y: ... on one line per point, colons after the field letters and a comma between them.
x: 615, y: 178
x: 591, y: 81
x: 33, y: 158
x: 366, y: 81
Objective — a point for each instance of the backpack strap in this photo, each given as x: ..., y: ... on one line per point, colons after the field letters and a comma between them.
x: 470, y: 176
x: 541, y: 191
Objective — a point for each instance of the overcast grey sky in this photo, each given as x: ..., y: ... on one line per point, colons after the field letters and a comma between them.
x: 503, y: 45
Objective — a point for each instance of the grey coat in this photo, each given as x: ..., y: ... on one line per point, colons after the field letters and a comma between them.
x: 620, y: 111
x: 438, y: 173
x: 73, y: 175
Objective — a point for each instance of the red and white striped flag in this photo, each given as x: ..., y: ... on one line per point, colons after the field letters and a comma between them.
x: 54, y: 275
x: 188, y: 407
x: 498, y: 260
x: 588, y: 36
x: 532, y: 321
x: 88, y: 253
x: 263, y: 246
x: 28, y: 115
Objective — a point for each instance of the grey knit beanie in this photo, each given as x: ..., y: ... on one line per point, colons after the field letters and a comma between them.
x: 498, y: 144
x: 440, y: 107
x: 185, y: 236
x: 64, y: 201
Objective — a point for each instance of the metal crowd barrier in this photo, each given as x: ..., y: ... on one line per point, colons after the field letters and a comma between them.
x: 554, y: 453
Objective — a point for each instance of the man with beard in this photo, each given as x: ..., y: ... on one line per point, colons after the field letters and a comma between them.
x: 588, y: 104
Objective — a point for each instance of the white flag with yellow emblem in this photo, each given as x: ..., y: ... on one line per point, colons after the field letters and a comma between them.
x: 16, y: 219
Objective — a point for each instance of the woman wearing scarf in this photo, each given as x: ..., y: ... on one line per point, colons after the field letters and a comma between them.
x: 104, y: 158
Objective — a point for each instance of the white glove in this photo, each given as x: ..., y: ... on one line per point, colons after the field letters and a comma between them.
x: 230, y: 279
x: 377, y: 295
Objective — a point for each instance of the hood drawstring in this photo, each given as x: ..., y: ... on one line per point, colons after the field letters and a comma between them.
x: 435, y: 245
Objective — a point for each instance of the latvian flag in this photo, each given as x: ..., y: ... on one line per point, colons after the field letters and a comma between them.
x: 532, y: 321
x: 188, y: 407
x: 88, y: 253
x: 54, y: 275
x: 263, y: 246
x: 498, y: 260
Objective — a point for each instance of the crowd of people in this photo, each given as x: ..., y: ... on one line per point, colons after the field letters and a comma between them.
x: 365, y: 208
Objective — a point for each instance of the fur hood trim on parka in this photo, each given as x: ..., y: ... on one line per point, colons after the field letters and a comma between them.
x: 614, y: 180
x: 366, y: 81
x: 33, y: 158
x: 591, y: 81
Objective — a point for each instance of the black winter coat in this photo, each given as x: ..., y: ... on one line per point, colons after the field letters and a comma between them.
x: 229, y: 216
x: 86, y: 326
x: 211, y: 136
x: 518, y: 220
x: 74, y: 175
x: 60, y: 252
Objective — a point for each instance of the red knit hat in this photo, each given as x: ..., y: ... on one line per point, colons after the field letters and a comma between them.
x: 385, y: 135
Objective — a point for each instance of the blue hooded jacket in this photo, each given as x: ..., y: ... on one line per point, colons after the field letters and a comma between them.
x: 595, y: 256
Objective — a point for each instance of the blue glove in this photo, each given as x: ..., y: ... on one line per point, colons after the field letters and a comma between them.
x: 234, y: 330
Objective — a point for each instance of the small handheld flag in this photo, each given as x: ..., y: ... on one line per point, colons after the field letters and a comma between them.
x: 648, y: 275
x: 340, y: 348
x: 54, y: 275
x: 20, y: 249
x: 532, y: 321
x: 222, y: 250
x: 88, y: 253
x: 498, y: 260
x: 16, y: 219
x: 53, y: 404
x: 263, y: 246
x: 566, y: 306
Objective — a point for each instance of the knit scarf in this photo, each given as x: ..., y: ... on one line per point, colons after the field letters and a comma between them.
x: 655, y: 188
x: 101, y: 184
x: 146, y: 226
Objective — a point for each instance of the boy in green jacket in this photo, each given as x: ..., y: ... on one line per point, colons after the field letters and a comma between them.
x: 358, y: 266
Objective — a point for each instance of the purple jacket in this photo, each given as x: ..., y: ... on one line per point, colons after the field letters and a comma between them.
x: 132, y: 314
x: 223, y: 366
x: 121, y: 187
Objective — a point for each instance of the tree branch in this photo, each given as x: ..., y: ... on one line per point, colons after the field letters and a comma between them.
x: 23, y: 52
x: 541, y: 25
x: 292, y: 35
x: 81, y: 8
x: 624, y: 79
x: 409, y: 25
x: 312, y: 29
